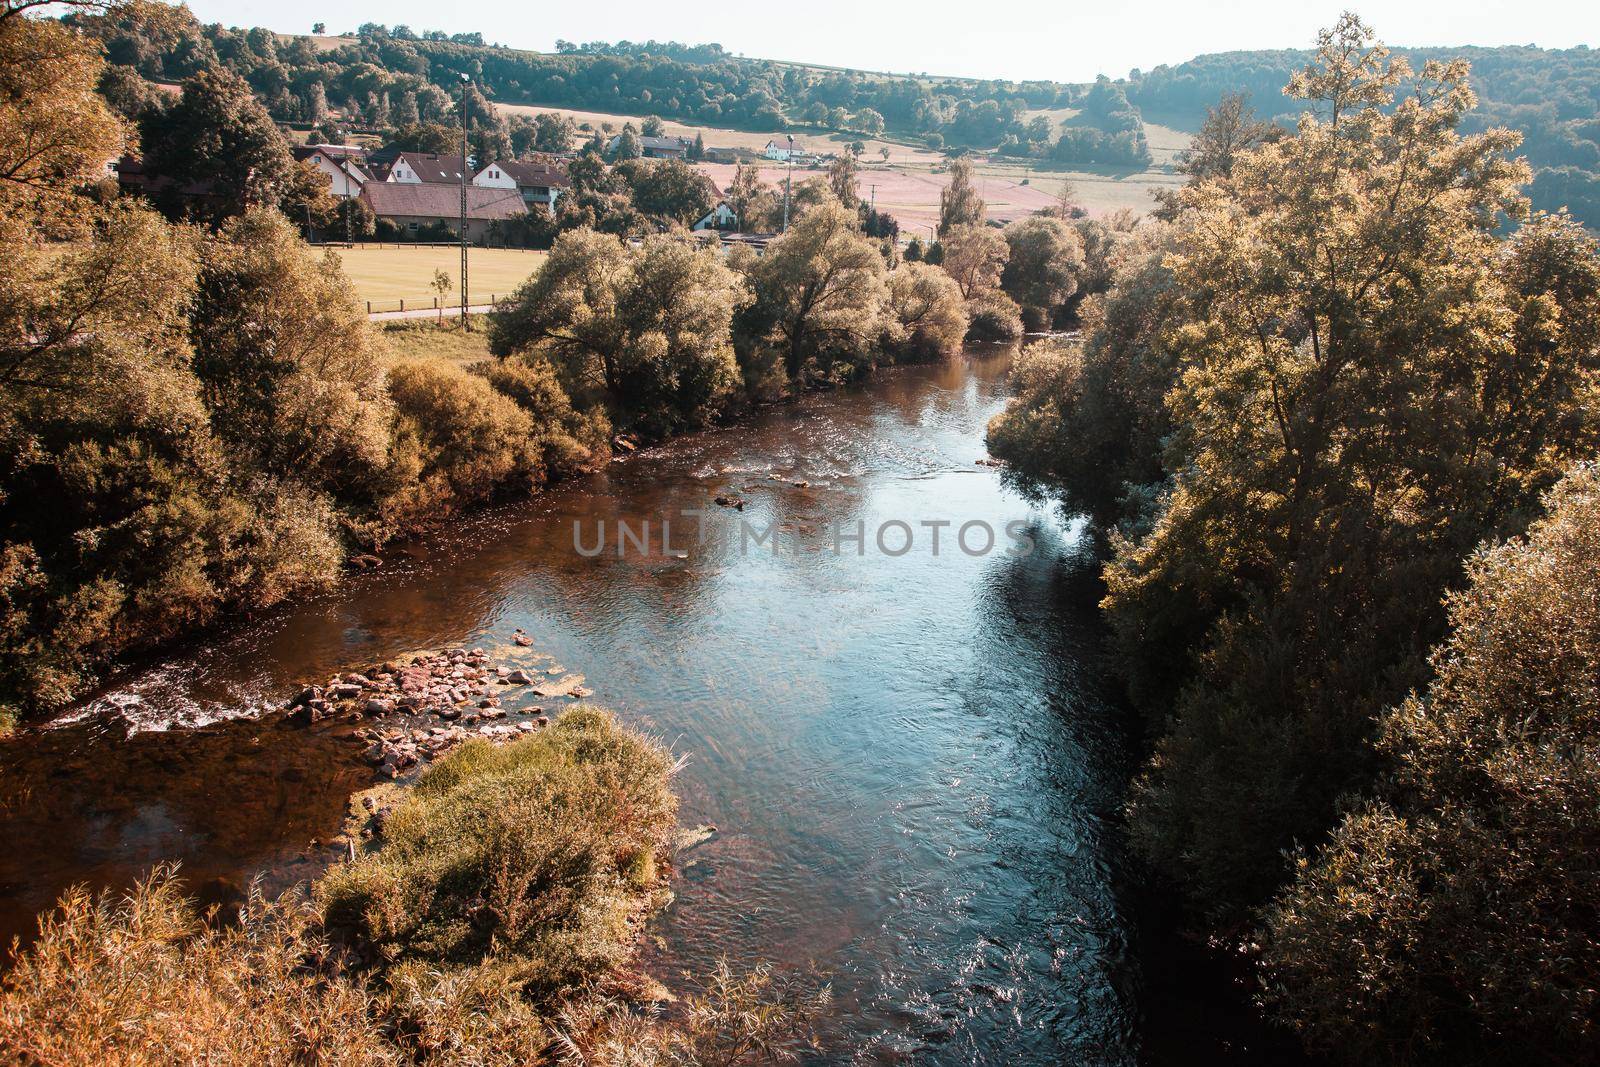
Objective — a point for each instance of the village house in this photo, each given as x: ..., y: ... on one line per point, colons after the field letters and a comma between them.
x: 656, y: 147
x: 721, y: 217
x: 413, y: 168
x: 783, y: 151
x: 415, y: 206
x: 538, y: 183
x: 343, y: 164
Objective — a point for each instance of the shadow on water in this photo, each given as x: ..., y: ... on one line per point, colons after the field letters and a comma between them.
x: 911, y: 759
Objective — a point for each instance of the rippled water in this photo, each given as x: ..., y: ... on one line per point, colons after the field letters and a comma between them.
x: 909, y: 759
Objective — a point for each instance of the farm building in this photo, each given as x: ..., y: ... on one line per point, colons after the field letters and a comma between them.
x: 538, y: 183
x: 414, y: 206
x: 657, y: 147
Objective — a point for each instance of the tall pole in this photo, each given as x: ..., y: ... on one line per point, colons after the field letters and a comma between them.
x: 788, y: 185
x: 462, y: 174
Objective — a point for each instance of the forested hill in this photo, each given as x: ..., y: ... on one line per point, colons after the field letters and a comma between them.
x: 386, y: 77
x: 1551, y: 96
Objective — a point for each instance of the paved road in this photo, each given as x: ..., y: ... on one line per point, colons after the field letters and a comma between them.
x: 430, y: 313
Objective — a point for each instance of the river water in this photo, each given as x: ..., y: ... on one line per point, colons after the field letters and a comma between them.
x: 910, y: 759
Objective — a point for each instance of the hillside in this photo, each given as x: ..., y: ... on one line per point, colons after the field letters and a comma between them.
x: 390, y: 77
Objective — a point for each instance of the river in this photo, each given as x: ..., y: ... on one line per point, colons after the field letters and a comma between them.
x: 911, y: 760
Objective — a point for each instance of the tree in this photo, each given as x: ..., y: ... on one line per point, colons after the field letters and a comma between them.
x: 975, y: 256
x: 1042, y: 267
x: 645, y: 332
x: 627, y: 145
x: 1450, y: 917
x: 843, y: 178
x: 654, y: 127
x: 219, y: 136
x: 556, y: 133
x: 753, y: 201
x: 319, y: 28
x: 818, y: 294
x: 959, y: 202
x: 56, y: 132
x: 925, y: 317
x: 429, y: 137
x: 914, y: 252
x: 669, y: 189
x: 1355, y: 406
x: 697, y: 150
x: 287, y: 365
x: 869, y: 122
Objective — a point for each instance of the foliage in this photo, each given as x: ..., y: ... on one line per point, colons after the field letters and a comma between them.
x: 669, y: 189
x: 975, y: 256
x: 994, y: 317
x: 1331, y: 378
x: 1042, y: 268
x: 1451, y: 918
x: 643, y: 331
x: 818, y: 295
x: 219, y: 138
x: 536, y: 858
x: 925, y: 316
x: 959, y: 202
x: 56, y: 132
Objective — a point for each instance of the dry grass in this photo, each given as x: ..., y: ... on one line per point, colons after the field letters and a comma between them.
x: 385, y: 274
x: 412, y: 339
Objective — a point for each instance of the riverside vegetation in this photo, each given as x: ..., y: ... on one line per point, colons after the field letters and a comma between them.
x: 1337, y: 417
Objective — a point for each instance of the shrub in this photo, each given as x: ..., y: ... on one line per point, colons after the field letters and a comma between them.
x: 537, y: 858
x: 570, y: 442
x: 993, y: 316
x: 457, y: 441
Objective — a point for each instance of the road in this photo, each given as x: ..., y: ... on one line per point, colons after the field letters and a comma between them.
x: 430, y: 313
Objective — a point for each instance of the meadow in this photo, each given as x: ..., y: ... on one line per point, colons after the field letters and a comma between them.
x: 386, y: 274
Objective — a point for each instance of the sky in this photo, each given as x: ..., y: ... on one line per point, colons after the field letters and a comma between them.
x: 1045, y: 39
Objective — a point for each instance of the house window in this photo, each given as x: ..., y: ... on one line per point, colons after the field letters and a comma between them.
x: 411, y: 225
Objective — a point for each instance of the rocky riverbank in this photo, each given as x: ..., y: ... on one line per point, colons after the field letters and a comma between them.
x: 414, y: 709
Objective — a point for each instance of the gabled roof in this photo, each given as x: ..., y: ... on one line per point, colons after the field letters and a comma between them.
x: 431, y: 168
x: 541, y: 175
x: 332, y: 151
x: 438, y: 201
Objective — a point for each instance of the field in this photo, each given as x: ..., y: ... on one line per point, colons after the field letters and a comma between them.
x: 719, y: 137
x: 909, y: 184
x: 425, y: 339
x: 386, y: 274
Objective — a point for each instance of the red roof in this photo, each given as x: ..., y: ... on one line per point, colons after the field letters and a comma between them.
x: 431, y: 168
x: 539, y: 175
x: 432, y: 200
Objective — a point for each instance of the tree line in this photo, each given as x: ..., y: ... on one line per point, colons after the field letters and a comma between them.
x: 1336, y: 415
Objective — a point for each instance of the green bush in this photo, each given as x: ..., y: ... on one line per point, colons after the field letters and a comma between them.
x: 537, y: 858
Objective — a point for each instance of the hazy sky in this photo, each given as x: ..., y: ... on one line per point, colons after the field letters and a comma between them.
x: 1020, y: 39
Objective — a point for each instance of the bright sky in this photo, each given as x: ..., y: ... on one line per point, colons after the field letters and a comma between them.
x: 1016, y: 40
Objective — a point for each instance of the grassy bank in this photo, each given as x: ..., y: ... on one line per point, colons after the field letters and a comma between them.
x: 491, y: 920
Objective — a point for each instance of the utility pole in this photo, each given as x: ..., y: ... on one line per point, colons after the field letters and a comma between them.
x: 465, y: 323
x: 788, y: 185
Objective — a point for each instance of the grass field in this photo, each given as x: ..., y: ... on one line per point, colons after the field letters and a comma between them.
x: 424, y: 339
x: 387, y: 274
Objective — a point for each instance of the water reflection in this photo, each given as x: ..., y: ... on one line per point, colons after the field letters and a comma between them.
x: 908, y: 758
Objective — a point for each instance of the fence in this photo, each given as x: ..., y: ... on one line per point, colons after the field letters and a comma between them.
x: 450, y: 306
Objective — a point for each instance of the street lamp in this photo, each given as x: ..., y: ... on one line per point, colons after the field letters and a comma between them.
x: 788, y: 185
x: 466, y: 80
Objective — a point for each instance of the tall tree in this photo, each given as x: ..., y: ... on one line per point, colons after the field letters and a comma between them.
x: 959, y: 202
x: 843, y: 179
x: 220, y: 137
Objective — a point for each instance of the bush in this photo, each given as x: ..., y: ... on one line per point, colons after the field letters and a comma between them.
x: 569, y: 442
x: 537, y: 858
x: 993, y: 316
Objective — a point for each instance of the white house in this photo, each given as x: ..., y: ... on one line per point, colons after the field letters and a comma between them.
x: 783, y: 150
x: 721, y: 217
x: 411, y: 168
x: 341, y: 163
x: 539, y: 183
